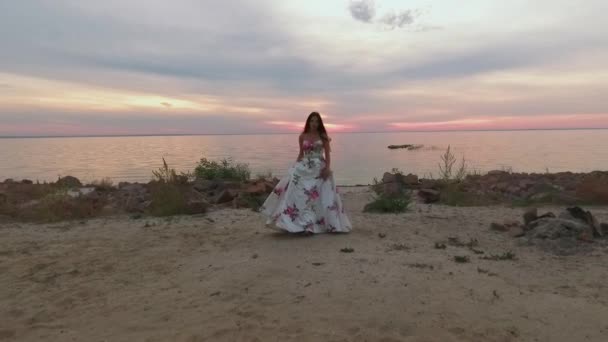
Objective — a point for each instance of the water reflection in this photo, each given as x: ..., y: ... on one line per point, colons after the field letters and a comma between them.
x: 357, y: 157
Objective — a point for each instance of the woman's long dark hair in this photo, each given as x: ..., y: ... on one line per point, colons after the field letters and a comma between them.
x: 321, y: 130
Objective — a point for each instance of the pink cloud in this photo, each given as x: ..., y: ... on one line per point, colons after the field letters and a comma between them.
x: 505, y: 123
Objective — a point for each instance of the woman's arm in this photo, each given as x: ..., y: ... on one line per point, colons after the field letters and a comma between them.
x: 301, y: 153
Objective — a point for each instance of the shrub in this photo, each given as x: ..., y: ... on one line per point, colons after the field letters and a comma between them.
x: 224, y: 170
x: 168, y: 199
x: 388, y: 203
x: 446, y: 167
x: 169, y: 175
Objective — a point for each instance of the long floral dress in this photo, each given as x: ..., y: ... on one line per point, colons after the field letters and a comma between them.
x: 304, y: 202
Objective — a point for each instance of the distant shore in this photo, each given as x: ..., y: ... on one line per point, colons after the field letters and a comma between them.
x: 292, y: 133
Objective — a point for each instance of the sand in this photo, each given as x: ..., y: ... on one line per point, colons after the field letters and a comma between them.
x: 225, y: 277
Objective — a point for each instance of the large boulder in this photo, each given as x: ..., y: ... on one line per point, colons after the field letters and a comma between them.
x: 225, y: 196
x: 410, y: 179
x: 392, y: 189
x: 133, y: 197
x: 583, y: 216
x: 574, y: 222
x: 260, y: 187
x: 389, y: 178
x: 556, y: 228
x: 204, y: 185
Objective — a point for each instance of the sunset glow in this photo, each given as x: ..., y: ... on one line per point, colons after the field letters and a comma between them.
x: 135, y: 67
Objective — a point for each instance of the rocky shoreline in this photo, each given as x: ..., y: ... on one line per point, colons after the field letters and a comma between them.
x: 498, y: 187
x: 70, y: 199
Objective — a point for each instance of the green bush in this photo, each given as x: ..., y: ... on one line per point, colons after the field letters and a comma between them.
x: 383, y: 204
x: 389, y: 203
x: 224, y: 170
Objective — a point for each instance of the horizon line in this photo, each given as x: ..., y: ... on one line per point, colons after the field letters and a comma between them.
x: 289, y: 133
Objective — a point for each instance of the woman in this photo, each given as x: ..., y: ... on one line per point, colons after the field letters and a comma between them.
x: 306, y: 200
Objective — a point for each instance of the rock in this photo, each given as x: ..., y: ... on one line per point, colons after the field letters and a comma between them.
x: 576, y: 213
x: 270, y: 185
x: 26, y: 181
x: 225, y: 196
x: 507, y: 226
x: 132, y: 188
x: 196, y: 206
x: 122, y: 185
x: 513, y: 190
x: 415, y: 147
x: 410, y: 179
x: 530, y: 215
x: 389, y: 178
x: 604, y: 227
x: 135, y: 205
x: 517, y: 232
x: 499, y: 227
x: 547, y: 215
x: 394, y: 147
x: 9, y: 181
x: 69, y: 182
x: 555, y: 228
x: 392, y: 189
x: 429, y: 195
x: 204, y: 185
x: 526, y: 184
x: 257, y: 188
x: 135, y: 197
x: 430, y: 184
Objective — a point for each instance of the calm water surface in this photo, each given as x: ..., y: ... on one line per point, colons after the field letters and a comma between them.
x: 357, y: 157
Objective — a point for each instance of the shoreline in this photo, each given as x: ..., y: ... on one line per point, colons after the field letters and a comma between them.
x: 173, y: 194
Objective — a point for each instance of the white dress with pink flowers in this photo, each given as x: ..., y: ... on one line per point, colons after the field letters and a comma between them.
x: 303, y: 201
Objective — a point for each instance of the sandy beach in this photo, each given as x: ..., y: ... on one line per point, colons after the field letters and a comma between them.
x: 224, y: 276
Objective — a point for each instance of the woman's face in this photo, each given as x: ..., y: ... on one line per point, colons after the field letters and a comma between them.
x: 314, y: 124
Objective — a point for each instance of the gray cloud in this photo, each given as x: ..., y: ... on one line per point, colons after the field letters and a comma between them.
x: 363, y: 10
x: 217, y: 54
x: 401, y: 19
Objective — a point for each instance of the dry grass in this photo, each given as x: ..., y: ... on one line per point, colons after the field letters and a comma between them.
x: 56, y: 207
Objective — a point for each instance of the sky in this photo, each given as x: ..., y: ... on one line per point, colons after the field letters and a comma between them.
x: 114, y: 67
